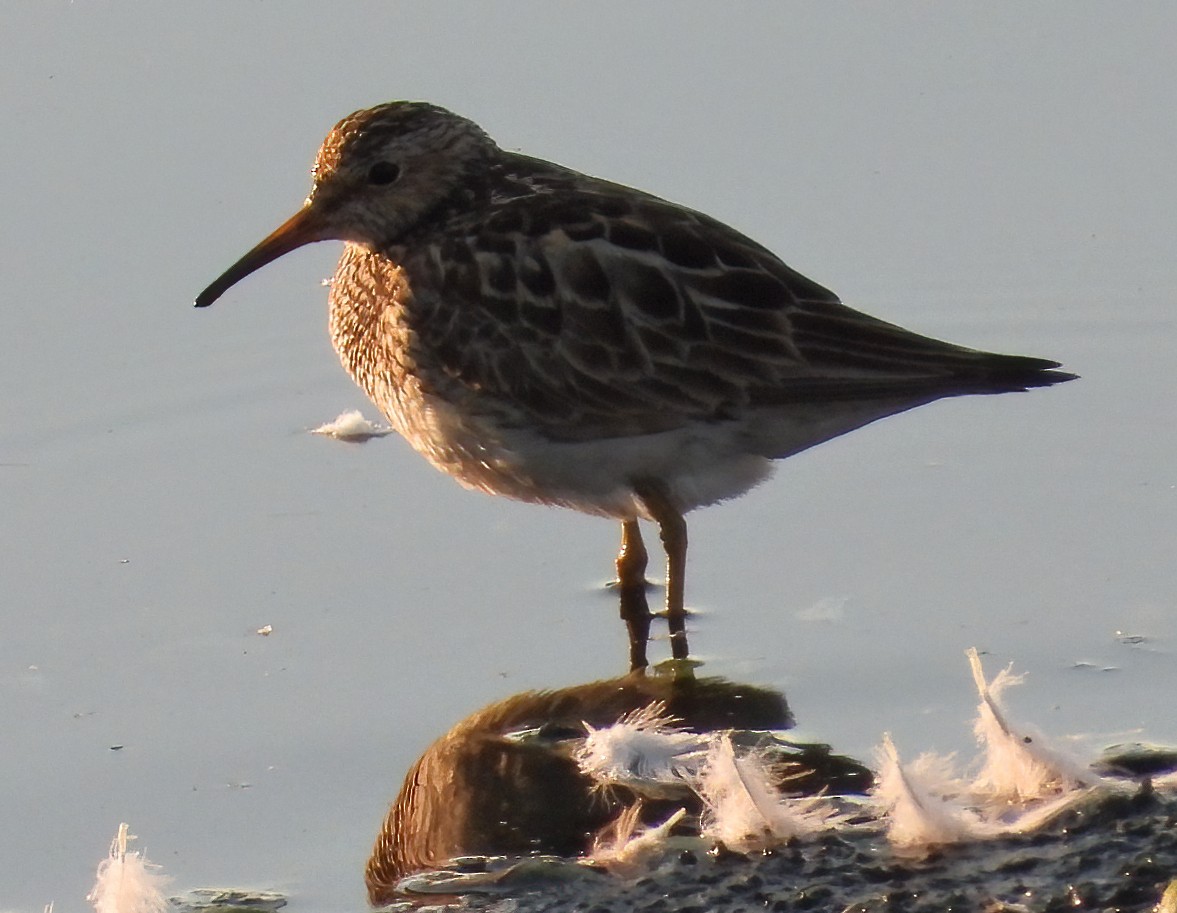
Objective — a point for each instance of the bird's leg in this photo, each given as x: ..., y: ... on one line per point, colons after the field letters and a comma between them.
x: 631, y: 584
x: 673, y: 530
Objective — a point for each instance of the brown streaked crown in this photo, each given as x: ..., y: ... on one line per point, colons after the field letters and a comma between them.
x: 381, y: 170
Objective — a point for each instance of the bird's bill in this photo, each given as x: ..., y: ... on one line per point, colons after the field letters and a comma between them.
x: 301, y: 228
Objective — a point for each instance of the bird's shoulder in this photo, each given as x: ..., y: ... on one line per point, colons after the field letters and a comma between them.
x: 531, y: 207
x: 593, y: 261
x: 597, y: 307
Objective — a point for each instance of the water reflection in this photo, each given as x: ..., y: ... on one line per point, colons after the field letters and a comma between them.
x: 504, y: 780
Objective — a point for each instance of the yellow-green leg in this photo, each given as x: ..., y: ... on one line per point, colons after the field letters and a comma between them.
x: 673, y: 530
x: 631, y: 584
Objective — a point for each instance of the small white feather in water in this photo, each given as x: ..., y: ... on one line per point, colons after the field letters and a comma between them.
x: 644, y: 750
x: 743, y: 807
x: 625, y: 844
x: 922, y: 802
x: 352, y: 426
x: 1019, y: 766
x: 127, y: 882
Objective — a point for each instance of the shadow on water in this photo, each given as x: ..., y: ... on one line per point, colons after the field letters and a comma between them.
x: 504, y: 781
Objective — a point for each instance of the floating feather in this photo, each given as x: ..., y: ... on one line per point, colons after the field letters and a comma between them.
x: 353, y: 427
x: 1018, y: 766
x: 127, y: 882
x: 743, y: 807
x: 626, y: 844
x: 644, y: 750
x: 921, y: 802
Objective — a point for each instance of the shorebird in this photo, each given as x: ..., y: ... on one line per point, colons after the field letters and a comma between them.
x: 553, y: 337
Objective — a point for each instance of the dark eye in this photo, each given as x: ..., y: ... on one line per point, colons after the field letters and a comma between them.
x: 383, y: 173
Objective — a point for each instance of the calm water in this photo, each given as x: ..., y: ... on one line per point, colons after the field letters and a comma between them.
x: 1003, y: 183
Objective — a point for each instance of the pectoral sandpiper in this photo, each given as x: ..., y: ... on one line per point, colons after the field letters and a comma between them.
x: 553, y: 337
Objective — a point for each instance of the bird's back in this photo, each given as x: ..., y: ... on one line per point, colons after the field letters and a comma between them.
x: 588, y: 310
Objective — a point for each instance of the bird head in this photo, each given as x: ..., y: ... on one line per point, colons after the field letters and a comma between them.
x: 379, y: 173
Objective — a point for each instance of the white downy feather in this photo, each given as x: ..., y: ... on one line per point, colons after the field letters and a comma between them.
x: 1022, y: 783
x: 127, y: 882
x: 352, y: 426
x: 1019, y: 766
x: 922, y: 802
x: 644, y: 751
x: 625, y: 845
x: 743, y: 807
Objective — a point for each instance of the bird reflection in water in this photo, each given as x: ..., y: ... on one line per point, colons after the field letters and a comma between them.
x: 505, y: 781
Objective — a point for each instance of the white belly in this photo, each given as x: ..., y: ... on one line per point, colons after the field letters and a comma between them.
x: 699, y: 464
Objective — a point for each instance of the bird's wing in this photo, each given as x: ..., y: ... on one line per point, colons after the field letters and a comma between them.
x: 601, y: 311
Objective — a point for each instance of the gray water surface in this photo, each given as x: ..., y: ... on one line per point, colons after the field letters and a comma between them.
x: 999, y: 177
